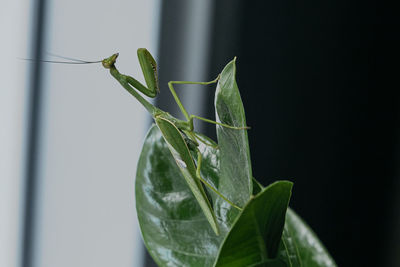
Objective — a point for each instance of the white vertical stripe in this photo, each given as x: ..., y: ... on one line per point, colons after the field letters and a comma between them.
x: 92, y: 132
x: 14, y: 29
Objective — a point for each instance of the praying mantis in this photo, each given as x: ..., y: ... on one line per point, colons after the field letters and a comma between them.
x: 178, y: 134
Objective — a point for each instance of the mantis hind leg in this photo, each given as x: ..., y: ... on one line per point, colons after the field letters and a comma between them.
x: 191, y: 117
x: 215, y: 122
x: 199, y: 159
x: 178, y: 101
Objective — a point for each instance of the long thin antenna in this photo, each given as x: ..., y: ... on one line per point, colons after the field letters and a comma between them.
x: 72, y: 59
x: 61, y: 62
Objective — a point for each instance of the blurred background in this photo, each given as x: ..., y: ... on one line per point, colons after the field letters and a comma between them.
x: 319, y: 83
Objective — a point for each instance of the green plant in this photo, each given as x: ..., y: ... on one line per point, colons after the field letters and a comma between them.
x: 186, y: 224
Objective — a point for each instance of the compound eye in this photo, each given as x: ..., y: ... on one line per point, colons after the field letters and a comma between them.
x: 105, y: 64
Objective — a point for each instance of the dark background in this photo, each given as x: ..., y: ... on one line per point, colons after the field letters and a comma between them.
x: 319, y: 83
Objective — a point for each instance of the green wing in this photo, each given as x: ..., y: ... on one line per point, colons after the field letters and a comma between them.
x: 184, y: 161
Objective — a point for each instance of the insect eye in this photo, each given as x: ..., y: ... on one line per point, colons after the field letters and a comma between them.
x: 105, y: 64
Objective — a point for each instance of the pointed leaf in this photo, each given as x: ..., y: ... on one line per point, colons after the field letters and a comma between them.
x: 301, y: 247
x: 256, y: 234
x: 235, y: 156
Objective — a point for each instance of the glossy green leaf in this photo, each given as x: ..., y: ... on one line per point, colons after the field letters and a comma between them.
x: 234, y: 148
x: 299, y: 246
x: 174, y: 228
x: 256, y: 235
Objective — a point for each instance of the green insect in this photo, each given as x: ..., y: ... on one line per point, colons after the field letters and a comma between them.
x: 178, y: 134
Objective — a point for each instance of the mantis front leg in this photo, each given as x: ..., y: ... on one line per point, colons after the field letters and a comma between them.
x: 149, y: 69
x: 199, y: 159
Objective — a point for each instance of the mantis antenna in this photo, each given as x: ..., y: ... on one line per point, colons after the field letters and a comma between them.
x: 60, y: 62
x: 71, y: 60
